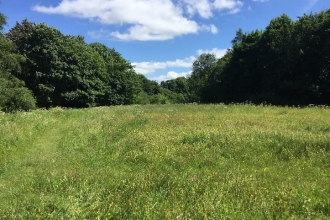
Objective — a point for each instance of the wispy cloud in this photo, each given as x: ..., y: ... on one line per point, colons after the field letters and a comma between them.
x: 310, y: 4
x: 260, y: 0
x: 144, y: 20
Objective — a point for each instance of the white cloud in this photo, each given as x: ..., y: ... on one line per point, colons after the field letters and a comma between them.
x: 260, y: 0
x: 218, y: 52
x: 144, y: 20
x: 205, y: 7
x: 202, y: 7
x: 148, y: 67
x: 233, y: 6
x: 211, y: 28
x: 170, y: 75
x: 152, y: 67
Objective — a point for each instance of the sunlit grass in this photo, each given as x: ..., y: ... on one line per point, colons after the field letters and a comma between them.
x: 166, y: 162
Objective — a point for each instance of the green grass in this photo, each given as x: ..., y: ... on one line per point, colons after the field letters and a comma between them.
x: 166, y: 162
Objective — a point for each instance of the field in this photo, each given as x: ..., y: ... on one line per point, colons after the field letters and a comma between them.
x: 166, y: 162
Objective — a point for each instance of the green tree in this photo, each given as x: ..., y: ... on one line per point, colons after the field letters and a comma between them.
x: 278, y: 55
x: 312, y: 55
x: 150, y: 87
x: 122, y: 84
x: 13, y: 95
x: 178, y: 86
x: 215, y: 85
x: 202, y: 68
x: 238, y: 38
x: 242, y: 75
x: 60, y: 70
x: 286, y: 64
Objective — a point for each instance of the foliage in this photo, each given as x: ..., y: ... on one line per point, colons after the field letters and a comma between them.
x: 178, y: 86
x: 166, y: 162
x: 286, y: 64
x: 60, y: 70
x: 14, y: 95
x: 122, y: 83
x: 203, y: 67
x: 65, y: 71
x: 148, y: 86
x: 168, y: 92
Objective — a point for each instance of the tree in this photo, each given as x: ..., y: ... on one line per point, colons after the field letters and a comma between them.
x: 13, y: 95
x: 122, y: 84
x: 241, y: 70
x: 178, y: 86
x: 202, y: 68
x: 312, y: 57
x: 150, y: 87
x: 215, y: 87
x: 279, y: 54
x: 19, y: 35
x: 60, y: 70
x: 238, y: 38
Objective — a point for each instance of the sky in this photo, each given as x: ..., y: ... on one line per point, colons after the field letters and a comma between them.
x: 161, y: 38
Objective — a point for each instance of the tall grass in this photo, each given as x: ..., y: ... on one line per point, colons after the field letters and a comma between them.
x: 166, y: 162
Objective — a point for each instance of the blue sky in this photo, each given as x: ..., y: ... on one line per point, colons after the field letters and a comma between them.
x: 160, y: 37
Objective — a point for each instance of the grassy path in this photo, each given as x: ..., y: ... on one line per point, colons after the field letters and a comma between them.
x: 33, y: 158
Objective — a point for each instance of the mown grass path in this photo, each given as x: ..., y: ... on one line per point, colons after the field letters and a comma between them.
x: 166, y: 162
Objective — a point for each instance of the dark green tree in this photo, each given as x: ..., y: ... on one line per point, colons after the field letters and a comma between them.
x: 14, y: 95
x: 60, y: 70
x: 215, y: 87
x: 287, y: 64
x: 202, y: 68
x: 122, y: 84
x: 312, y: 57
x: 241, y: 75
x: 150, y: 87
x: 178, y: 86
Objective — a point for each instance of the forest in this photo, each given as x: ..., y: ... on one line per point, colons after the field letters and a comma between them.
x: 287, y: 63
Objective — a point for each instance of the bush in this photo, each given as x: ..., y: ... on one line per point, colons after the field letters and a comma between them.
x: 13, y: 95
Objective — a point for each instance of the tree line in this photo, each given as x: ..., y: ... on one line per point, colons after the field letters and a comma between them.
x: 42, y: 68
x: 288, y: 63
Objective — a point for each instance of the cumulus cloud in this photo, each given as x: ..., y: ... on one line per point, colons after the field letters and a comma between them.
x: 233, y: 6
x: 151, y: 67
x: 144, y: 20
x: 170, y: 75
x: 201, y: 7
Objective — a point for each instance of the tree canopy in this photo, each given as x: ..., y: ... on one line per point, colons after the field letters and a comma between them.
x: 14, y: 95
x: 288, y: 63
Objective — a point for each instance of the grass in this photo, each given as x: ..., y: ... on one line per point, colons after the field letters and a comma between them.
x: 166, y: 162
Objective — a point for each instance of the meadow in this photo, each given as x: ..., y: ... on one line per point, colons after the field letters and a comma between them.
x: 236, y: 161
